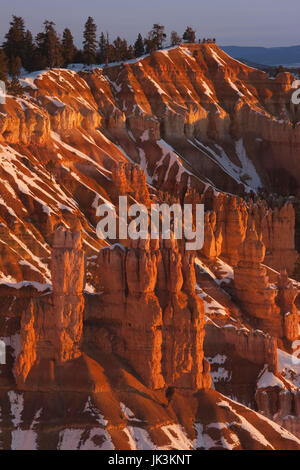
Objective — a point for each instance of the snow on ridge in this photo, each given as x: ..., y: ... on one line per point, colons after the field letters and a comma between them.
x: 239, y: 62
x: 234, y: 87
x: 177, y: 436
x: 217, y: 359
x: 139, y: 438
x: 22, y: 439
x: 128, y: 413
x: 77, y: 152
x: 11, y: 160
x: 217, y: 58
x: 247, y: 164
x: 94, y: 412
x: 279, y: 429
x: 208, y: 90
x: 205, y: 441
x: 289, y: 367
x: 268, y: 379
x: 144, y: 165
x: 77, y: 439
x: 225, y: 271
x: 247, y: 175
x: 174, y: 158
x: 244, y: 424
x: 212, y: 307
x: 204, y: 268
x: 27, y: 78
x: 54, y: 100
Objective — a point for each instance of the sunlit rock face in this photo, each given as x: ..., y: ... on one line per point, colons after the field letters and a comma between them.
x: 51, y: 328
x: 157, y: 316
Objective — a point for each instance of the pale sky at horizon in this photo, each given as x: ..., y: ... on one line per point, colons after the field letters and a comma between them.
x: 266, y: 23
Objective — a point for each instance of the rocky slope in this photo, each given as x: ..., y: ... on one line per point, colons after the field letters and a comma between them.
x: 155, y: 334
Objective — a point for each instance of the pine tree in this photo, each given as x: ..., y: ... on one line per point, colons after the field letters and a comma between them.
x: 14, y: 45
x: 157, y: 35
x: 189, y: 35
x: 124, y: 50
x: 68, y: 47
x: 29, y: 51
x: 131, y: 52
x: 15, y: 67
x: 107, y: 51
x: 3, y: 66
x: 111, y: 53
x: 150, y: 45
x: 90, y: 41
x: 78, y: 58
x: 103, y: 48
x: 139, y: 46
x: 38, y: 60
x: 15, y: 88
x: 120, y: 49
x: 49, y: 45
x: 175, y: 39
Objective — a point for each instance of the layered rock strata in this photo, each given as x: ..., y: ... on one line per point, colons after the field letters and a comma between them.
x: 272, y: 305
x: 51, y: 328
x: 150, y: 302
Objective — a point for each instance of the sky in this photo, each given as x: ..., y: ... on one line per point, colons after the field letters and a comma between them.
x: 266, y: 23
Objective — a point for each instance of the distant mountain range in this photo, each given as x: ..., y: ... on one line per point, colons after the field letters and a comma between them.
x: 266, y: 55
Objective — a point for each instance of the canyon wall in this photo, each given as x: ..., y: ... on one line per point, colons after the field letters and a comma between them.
x: 227, y: 218
x: 188, y: 124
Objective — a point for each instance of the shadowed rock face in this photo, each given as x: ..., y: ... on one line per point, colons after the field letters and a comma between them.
x: 272, y: 305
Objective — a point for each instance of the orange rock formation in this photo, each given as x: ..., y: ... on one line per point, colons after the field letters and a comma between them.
x: 51, y: 328
x: 149, y: 298
x: 272, y: 306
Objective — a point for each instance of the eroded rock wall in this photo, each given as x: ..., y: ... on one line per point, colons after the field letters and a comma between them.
x: 149, y: 299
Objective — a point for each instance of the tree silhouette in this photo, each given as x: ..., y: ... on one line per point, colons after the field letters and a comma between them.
x: 68, y: 47
x: 15, y: 67
x: 156, y: 38
x: 15, y: 88
x: 29, y: 51
x: 175, y: 39
x: 49, y: 45
x: 189, y: 35
x: 90, y: 41
x: 3, y: 66
x: 139, y: 46
x: 14, y: 45
x: 121, y: 49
